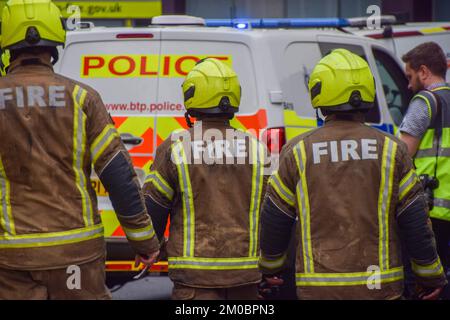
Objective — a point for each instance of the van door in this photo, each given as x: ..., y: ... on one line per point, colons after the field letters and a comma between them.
x: 405, y: 44
x: 123, y: 66
x: 392, y: 96
x: 298, y: 62
x: 394, y: 84
x: 375, y: 115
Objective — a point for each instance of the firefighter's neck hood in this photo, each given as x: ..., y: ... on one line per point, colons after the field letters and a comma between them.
x: 347, y: 116
x: 26, y: 60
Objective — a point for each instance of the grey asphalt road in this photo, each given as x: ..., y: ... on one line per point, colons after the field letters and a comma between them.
x: 152, y: 287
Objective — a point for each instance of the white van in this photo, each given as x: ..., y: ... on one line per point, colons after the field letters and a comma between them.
x: 139, y: 72
x: 403, y: 37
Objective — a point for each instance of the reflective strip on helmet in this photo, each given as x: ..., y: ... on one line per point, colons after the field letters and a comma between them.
x: 432, y: 270
x: 6, y: 217
x: 179, y: 156
x: 384, y: 200
x: 51, y: 238
x: 160, y: 183
x: 79, y: 147
x: 255, y: 200
x: 281, y: 189
x: 139, y: 234
x: 272, y: 263
x: 348, y: 279
x: 103, y: 141
x: 303, y: 203
x: 407, y: 183
x: 213, y: 263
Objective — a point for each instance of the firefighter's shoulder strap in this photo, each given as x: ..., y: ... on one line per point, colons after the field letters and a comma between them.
x: 437, y: 124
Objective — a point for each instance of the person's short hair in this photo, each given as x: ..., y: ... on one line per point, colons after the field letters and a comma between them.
x: 429, y: 54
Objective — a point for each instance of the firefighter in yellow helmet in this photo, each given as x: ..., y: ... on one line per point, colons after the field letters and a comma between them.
x: 355, y: 193
x: 210, y: 179
x: 54, y: 130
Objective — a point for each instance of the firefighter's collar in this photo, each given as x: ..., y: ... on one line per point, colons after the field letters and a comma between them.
x: 218, y: 120
x: 26, y: 59
x: 350, y: 116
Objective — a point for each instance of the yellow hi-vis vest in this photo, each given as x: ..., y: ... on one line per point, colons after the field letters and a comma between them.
x: 427, y: 157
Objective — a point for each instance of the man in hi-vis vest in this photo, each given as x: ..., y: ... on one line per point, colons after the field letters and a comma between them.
x: 426, y: 131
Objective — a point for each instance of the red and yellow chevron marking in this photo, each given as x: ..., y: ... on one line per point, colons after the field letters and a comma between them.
x: 142, y: 127
x: 111, y: 224
x: 128, y: 266
x: 255, y: 123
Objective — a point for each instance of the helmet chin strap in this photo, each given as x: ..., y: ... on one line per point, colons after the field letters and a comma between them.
x: 188, y: 119
x: 317, y: 115
x: 55, y: 56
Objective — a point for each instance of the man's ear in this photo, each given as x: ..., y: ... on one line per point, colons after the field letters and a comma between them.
x: 423, y: 72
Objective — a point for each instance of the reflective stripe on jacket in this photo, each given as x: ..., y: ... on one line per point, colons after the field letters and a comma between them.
x: 54, y: 130
x: 345, y: 182
x: 215, y: 206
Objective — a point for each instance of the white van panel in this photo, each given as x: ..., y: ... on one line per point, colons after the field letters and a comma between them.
x: 237, y: 54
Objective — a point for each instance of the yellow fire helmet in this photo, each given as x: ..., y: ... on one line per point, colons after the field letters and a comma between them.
x: 31, y: 23
x: 211, y: 87
x: 342, y: 81
x: 4, y: 63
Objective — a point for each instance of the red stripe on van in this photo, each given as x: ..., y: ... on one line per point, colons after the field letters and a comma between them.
x: 407, y: 34
x: 134, y: 36
x: 376, y: 36
x: 399, y: 34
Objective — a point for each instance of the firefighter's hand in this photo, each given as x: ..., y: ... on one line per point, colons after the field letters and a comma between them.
x: 430, y: 294
x: 147, y: 260
x: 269, y: 287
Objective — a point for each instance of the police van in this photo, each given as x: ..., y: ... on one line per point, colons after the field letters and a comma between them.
x: 139, y: 72
x: 400, y: 38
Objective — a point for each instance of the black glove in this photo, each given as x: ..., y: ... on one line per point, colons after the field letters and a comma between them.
x: 269, y: 287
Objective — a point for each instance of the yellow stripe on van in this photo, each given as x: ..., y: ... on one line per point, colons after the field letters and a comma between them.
x: 235, y: 123
x: 136, y: 125
x: 166, y: 125
x: 433, y: 30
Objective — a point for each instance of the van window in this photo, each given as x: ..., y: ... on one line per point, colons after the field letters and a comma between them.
x: 298, y: 63
x: 395, y: 85
x: 178, y: 57
x: 373, y: 115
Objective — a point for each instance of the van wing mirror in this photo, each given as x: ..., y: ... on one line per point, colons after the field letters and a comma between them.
x: 128, y: 138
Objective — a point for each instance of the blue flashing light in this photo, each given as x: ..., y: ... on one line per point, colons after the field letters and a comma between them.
x: 279, y: 23
x: 241, y: 25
